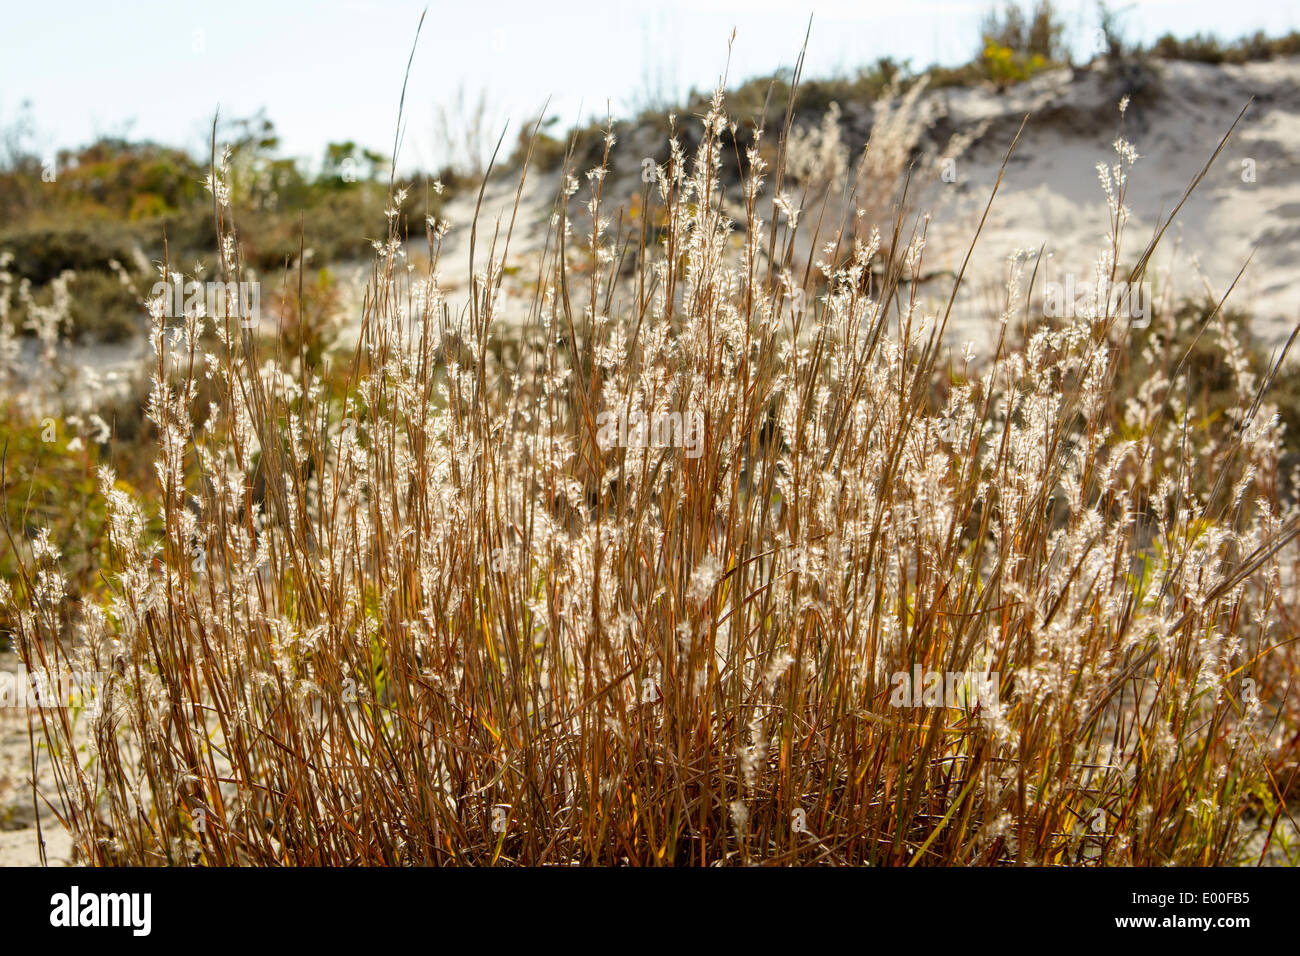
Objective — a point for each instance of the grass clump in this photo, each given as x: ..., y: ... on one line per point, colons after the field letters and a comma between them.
x: 659, y: 576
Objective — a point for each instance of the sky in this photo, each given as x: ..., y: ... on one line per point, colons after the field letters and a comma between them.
x: 332, y: 70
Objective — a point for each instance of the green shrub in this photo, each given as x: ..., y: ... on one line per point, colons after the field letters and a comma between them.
x: 1037, y: 34
x: 104, y: 308
x: 42, y: 254
x: 48, y: 486
x: 1005, y: 66
x: 1202, y: 48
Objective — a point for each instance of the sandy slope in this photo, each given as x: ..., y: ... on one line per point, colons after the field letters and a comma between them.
x: 1051, y: 194
x: 1050, y: 197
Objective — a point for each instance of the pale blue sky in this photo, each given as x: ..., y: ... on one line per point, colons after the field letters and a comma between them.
x: 332, y: 70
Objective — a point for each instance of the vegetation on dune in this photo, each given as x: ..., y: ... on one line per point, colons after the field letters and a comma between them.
x: 430, y: 606
x: 718, y: 557
x: 106, y: 212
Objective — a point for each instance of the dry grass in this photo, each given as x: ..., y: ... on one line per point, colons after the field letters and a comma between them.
x: 420, y: 613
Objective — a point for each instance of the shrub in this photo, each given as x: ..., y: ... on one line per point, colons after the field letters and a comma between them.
x: 50, y: 500
x: 103, y: 307
x: 1038, y: 34
x: 1203, y: 48
x: 1016, y: 45
x: 42, y: 254
x: 1005, y: 67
